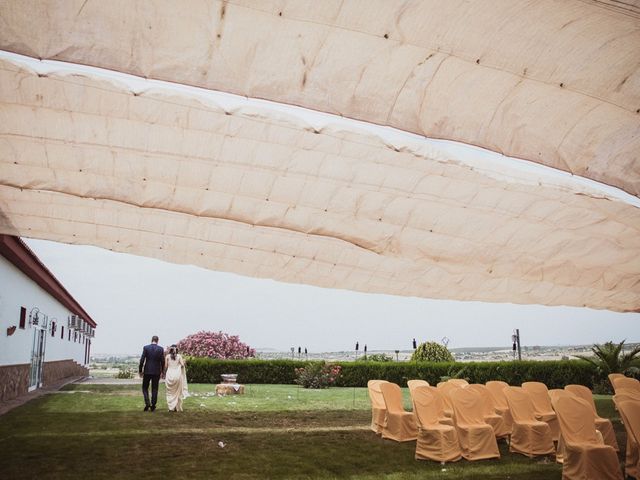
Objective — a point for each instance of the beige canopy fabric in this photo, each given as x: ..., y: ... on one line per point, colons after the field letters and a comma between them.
x: 476, y: 436
x: 529, y: 436
x: 552, y: 82
x: 167, y: 173
x: 585, y: 454
x: 603, y: 425
x: 399, y: 425
x: 436, y: 441
x: 378, y: 407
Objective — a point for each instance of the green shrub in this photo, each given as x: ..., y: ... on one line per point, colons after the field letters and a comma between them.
x: 432, y: 352
x: 208, y: 370
x: 555, y: 374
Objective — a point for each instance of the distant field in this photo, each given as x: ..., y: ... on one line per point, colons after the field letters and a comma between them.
x: 274, y: 431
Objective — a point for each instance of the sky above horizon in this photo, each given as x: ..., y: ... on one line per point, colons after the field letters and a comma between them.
x: 132, y: 298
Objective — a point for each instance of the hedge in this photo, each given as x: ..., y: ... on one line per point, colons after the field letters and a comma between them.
x: 555, y: 374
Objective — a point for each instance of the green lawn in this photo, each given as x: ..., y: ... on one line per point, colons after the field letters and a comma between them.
x: 273, y: 431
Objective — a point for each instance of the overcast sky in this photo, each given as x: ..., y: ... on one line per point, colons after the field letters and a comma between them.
x: 132, y: 298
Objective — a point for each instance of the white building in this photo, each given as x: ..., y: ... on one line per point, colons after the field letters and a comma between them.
x: 45, y: 335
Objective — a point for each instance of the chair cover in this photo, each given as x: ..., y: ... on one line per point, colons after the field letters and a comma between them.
x: 613, y: 377
x: 378, y: 408
x: 495, y: 388
x: 400, y: 425
x: 603, y: 425
x: 554, y: 395
x: 627, y: 383
x: 586, y: 455
x: 413, y: 384
x: 442, y: 417
x: 489, y: 411
x: 446, y: 388
x: 542, y: 405
x: 461, y: 382
x: 529, y: 436
x: 626, y: 394
x: 436, y: 441
x: 476, y: 437
x: 629, y: 411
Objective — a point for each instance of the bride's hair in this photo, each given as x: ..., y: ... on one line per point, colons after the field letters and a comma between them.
x: 173, y: 349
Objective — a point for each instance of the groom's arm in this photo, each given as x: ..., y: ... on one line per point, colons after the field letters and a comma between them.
x: 163, y: 368
x: 142, y: 358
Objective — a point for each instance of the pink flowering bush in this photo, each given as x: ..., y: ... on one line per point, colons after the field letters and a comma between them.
x: 215, y: 345
x: 317, y: 375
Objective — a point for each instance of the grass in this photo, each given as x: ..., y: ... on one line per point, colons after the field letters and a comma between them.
x: 273, y: 431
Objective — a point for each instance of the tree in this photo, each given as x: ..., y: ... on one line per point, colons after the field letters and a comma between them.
x: 432, y: 352
x: 215, y: 345
x: 608, y: 358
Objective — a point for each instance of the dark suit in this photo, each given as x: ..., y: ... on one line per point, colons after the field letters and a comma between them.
x: 152, y: 365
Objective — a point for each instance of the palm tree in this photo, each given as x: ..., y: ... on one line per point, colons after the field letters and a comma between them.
x: 608, y: 359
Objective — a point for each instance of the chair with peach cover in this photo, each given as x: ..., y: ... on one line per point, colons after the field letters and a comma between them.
x: 630, y: 412
x: 378, y: 408
x: 489, y: 412
x: 436, y: 441
x: 613, y: 377
x: 476, y: 437
x: 542, y: 405
x: 442, y: 417
x: 554, y: 395
x: 627, y: 383
x: 400, y: 425
x: 413, y: 384
x: 460, y: 382
x: 445, y: 389
x: 585, y: 454
x: 495, y: 388
x: 529, y: 436
x: 626, y: 394
x: 603, y: 425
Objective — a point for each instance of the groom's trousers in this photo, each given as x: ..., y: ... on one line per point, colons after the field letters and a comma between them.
x: 155, y: 380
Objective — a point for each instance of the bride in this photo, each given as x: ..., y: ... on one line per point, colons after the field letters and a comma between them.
x: 175, y: 380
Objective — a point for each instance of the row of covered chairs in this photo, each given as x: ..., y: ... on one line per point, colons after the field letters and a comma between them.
x: 459, y: 420
x: 626, y: 399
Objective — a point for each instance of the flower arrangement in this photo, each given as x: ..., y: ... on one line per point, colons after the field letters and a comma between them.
x: 317, y: 375
x: 215, y: 345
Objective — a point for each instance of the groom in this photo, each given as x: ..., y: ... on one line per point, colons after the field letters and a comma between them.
x: 152, y: 360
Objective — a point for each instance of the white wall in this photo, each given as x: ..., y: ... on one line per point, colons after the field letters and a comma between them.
x: 17, y: 290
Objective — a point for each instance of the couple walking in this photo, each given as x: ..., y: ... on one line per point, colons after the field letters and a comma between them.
x: 155, y: 364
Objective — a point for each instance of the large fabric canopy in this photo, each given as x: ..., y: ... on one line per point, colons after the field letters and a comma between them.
x: 170, y: 173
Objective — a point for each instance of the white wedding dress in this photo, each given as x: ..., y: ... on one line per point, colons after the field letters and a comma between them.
x: 176, y: 382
